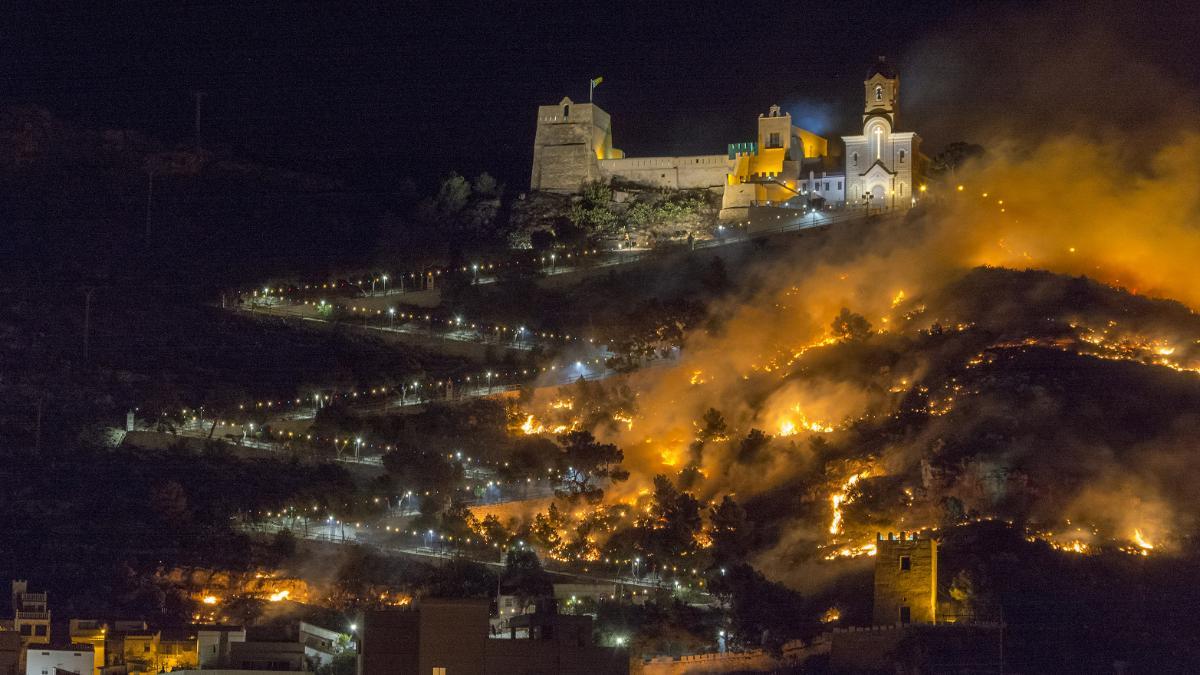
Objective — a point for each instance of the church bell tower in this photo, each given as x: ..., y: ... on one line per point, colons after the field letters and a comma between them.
x: 881, y: 89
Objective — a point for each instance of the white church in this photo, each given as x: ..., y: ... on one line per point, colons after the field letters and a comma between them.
x: 883, y: 166
x: 784, y: 167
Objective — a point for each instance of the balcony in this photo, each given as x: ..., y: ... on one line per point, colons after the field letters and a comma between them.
x: 32, y: 616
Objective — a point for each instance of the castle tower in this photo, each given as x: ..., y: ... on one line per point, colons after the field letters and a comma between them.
x: 905, y: 579
x: 571, y: 139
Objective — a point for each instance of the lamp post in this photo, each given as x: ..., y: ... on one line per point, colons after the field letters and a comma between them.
x: 385, y: 278
x: 392, y: 316
x: 489, y: 382
x: 475, y: 271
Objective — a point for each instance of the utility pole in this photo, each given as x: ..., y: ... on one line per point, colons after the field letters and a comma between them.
x: 149, y: 202
x: 87, y: 318
x: 37, y: 425
x: 199, y: 95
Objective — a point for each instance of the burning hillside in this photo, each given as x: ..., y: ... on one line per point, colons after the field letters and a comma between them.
x: 907, y: 375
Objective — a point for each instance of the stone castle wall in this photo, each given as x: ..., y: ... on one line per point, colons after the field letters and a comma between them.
x: 680, y: 173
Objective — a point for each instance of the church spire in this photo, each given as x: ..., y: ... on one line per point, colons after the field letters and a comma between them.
x: 881, y: 89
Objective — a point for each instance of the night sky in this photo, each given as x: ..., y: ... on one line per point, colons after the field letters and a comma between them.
x: 374, y: 95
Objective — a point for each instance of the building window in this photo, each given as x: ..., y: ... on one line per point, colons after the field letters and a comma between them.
x: 439, y: 671
x: 566, y: 111
x: 804, y: 185
x: 905, y: 563
x: 854, y: 159
x: 901, y: 156
x: 902, y: 189
x: 826, y: 186
x: 839, y: 185
x: 878, y: 93
x: 773, y: 140
x: 905, y: 614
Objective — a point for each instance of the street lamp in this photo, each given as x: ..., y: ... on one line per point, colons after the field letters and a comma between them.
x: 489, y: 381
x: 392, y: 314
x: 385, y: 278
x: 475, y: 269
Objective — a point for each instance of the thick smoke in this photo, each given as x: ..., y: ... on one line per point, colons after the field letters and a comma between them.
x: 1080, y: 203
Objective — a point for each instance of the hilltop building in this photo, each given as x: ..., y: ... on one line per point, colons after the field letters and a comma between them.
x: 905, y: 579
x: 784, y: 166
x: 883, y: 166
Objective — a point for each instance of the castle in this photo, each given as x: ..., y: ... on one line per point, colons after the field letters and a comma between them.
x: 785, y: 166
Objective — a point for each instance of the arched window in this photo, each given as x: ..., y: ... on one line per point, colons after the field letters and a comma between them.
x: 854, y: 159
x: 878, y: 93
x: 566, y: 111
x: 877, y: 134
x: 901, y: 156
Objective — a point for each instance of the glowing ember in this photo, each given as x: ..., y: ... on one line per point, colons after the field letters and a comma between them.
x: 852, y: 552
x: 1141, y: 541
x: 281, y: 595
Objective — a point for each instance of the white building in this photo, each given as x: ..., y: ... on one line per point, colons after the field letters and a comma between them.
x: 321, y: 645
x: 884, y: 167
x: 213, y: 644
x: 42, y: 660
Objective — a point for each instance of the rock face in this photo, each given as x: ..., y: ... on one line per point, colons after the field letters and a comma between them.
x: 628, y: 215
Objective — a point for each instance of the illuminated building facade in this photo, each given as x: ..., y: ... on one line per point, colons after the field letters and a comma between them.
x: 884, y: 167
x: 905, y: 580
x: 784, y: 166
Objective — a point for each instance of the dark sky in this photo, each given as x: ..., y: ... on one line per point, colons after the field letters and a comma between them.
x: 374, y: 93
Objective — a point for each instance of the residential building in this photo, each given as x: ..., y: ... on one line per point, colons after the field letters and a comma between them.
x: 10, y: 653
x: 450, y: 637
x: 321, y: 645
x: 59, y: 660
x: 31, y: 614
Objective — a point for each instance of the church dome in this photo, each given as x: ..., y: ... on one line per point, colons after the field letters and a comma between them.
x: 882, y: 67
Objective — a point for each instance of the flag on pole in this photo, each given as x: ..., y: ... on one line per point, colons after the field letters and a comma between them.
x: 595, y: 83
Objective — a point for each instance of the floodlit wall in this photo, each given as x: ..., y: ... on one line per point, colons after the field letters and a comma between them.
x: 905, y: 577
x: 680, y: 173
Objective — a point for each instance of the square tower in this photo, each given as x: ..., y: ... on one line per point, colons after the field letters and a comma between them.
x: 905, y: 579
x: 571, y: 138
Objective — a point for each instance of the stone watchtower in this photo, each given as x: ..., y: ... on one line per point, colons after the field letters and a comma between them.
x: 571, y: 139
x: 905, y: 579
